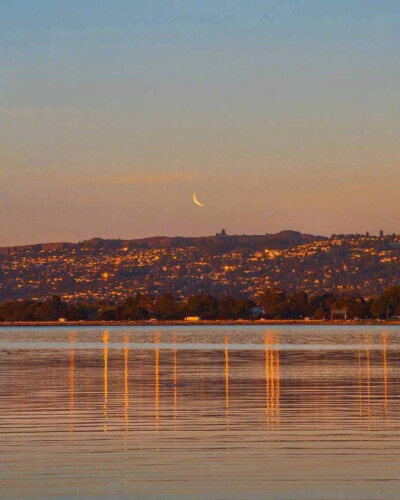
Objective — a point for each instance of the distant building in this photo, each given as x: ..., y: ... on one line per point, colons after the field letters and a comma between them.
x: 193, y: 318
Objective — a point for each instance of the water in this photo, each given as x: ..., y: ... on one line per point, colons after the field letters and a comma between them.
x: 201, y: 413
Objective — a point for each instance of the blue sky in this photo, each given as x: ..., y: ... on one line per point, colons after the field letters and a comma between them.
x: 280, y: 114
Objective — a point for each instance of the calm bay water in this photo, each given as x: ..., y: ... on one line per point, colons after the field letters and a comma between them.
x: 201, y: 413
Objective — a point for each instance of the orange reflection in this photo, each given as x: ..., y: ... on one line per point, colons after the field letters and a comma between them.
x: 367, y: 395
x: 368, y: 383
x: 126, y: 383
x: 272, y: 382
x: 359, y: 384
x: 105, y: 376
x: 278, y: 382
x: 175, y: 381
x: 227, y: 385
x: 226, y: 375
x: 71, y: 379
x: 71, y: 373
x: 385, y: 373
x: 157, y: 381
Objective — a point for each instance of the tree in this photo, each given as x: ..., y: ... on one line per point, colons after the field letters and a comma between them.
x: 137, y: 308
x: 165, y: 307
x: 387, y: 304
x: 205, y: 306
x: 77, y: 313
x: 226, y: 308
x: 51, y: 310
x: 295, y: 306
x: 321, y: 305
x: 229, y: 308
x: 356, y: 307
x: 18, y: 311
x: 243, y: 309
x: 271, y: 301
x: 108, y: 314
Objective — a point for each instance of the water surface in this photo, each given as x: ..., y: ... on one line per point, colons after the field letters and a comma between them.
x: 200, y: 412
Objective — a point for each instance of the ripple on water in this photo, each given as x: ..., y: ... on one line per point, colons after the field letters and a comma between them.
x: 244, y: 412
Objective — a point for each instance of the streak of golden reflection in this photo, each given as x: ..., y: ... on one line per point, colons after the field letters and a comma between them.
x: 71, y: 378
x: 267, y: 382
x: 71, y: 372
x: 272, y: 381
x: 126, y: 384
x: 385, y: 372
x: 359, y: 384
x: 175, y: 381
x: 226, y: 352
x: 105, y: 377
x: 226, y: 375
x: 157, y: 381
x: 278, y: 383
x: 368, y: 363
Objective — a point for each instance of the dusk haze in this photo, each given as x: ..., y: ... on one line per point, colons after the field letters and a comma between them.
x: 279, y: 114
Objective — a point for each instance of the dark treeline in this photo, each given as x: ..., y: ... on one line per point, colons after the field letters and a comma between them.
x: 135, y: 308
x: 272, y: 304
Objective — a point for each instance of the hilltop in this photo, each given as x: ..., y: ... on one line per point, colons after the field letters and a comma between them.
x: 217, y: 243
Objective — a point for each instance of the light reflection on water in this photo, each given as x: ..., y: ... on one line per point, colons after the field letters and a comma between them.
x: 176, y: 413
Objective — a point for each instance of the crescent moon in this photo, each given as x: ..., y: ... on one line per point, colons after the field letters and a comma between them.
x: 196, y: 201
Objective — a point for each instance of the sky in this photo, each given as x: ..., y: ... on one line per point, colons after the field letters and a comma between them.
x: 278, y: 114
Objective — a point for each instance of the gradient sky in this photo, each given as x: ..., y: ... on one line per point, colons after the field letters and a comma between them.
x: 279, y: 114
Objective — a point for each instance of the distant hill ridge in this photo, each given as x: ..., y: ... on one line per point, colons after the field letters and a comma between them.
x: 235, y: 265
x: 219, y: 242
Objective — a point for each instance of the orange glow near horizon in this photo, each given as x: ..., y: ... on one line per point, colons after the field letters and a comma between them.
x: 321, y: 125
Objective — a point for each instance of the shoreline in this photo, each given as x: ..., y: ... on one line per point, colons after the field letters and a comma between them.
x: 63, y: 324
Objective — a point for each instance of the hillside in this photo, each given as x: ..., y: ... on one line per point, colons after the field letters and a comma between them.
x: 240, y: 265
